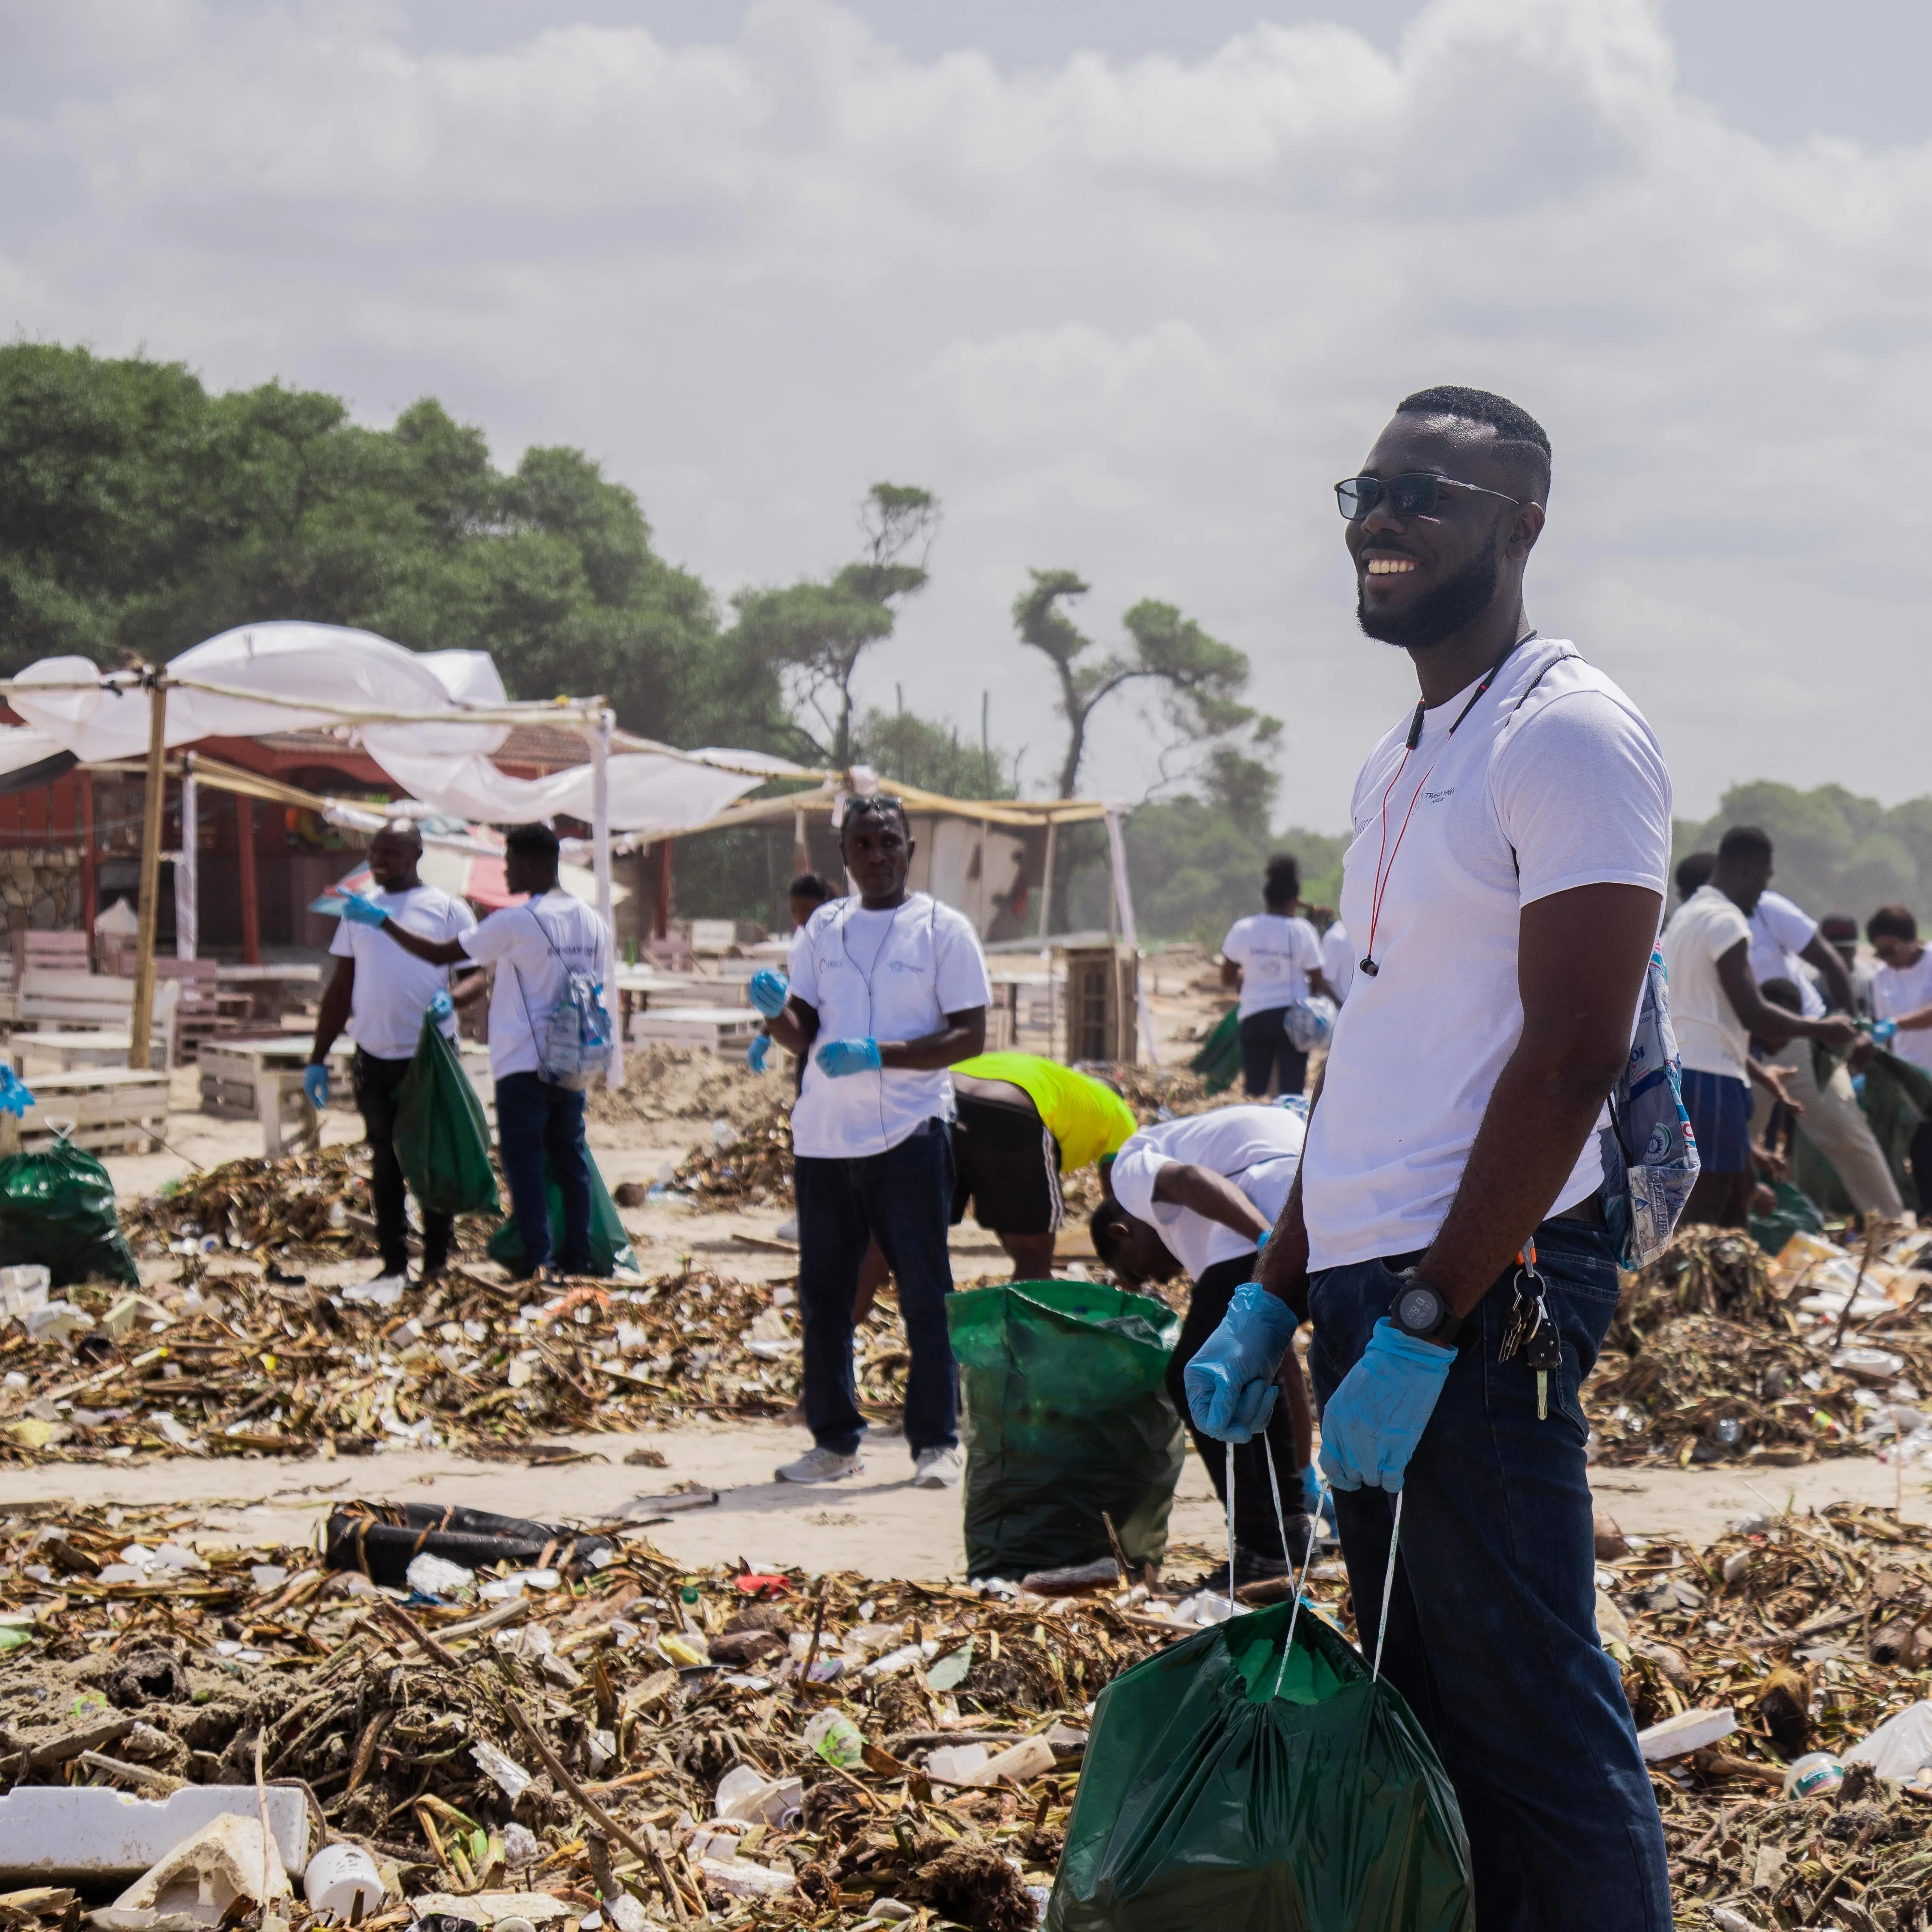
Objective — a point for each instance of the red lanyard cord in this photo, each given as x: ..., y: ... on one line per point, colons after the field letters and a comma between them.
x: 1367, y: 963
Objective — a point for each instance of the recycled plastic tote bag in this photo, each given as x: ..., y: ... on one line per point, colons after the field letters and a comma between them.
x: 57, y: 1208
x: 1066, y: 1421
x: 443, y: 1136
x: 1238, y: 1784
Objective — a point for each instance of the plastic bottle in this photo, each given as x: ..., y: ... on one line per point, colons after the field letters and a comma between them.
x: 1814, y: 1774
x: 836, y: 1738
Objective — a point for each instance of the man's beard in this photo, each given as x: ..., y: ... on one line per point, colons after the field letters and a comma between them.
x: 1444, y: 611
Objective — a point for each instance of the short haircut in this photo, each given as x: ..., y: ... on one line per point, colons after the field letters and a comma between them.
x: 1892, y: 921
x: 1110, y: 1225
x: 812, y: 886
x: 533, y: 842
x: 406, y: 830
x: 1839, y: 928
x: 875, y: 805
x: 1695, y: 871
x: 1281, y: 878
x: 1745, y: 841
x: 1517, y: 430
x: 1782, y: 992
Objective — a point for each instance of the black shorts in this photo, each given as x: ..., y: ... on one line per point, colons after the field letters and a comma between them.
x: 1008, y: 1166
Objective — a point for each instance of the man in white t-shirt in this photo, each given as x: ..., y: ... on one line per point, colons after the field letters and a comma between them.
x: 1199, y: 1194
x: 1338, y: 960
x: 380, y: 994
x: 1275, y: 960
x: 888, y: 990
x: 1902, y: 993
x: 534, y: 948
x: 1505, y: 883
x: 1787, y: 944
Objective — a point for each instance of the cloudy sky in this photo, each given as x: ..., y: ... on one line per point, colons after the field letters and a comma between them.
x: 1128, y: 284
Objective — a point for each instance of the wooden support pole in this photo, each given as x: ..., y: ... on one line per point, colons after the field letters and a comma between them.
x: 251, y: 917
x: 1046, y: 884
x: 141, y: 1020
x: 661, y: 922
x: 90, y: 888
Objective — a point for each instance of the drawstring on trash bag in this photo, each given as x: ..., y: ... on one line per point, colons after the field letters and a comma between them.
x: 1230, y: 1529
x: 1388, y: 1586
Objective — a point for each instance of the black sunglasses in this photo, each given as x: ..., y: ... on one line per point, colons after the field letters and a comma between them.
x: 1414, y: 494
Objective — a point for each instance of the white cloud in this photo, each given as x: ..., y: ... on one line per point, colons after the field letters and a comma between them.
x: 1132, y: 318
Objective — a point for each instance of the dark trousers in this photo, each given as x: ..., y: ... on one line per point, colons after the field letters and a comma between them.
x: 1254, y: 1527
x: 902, y: 1199
x: 535, y: 1116
x: 1492, y: 1629
x: 1919, y: 1156
x: 376, y: 1082
x: 1264, y: 1046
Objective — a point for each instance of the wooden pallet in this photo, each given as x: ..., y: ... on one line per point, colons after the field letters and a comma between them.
x: 109, y: 1108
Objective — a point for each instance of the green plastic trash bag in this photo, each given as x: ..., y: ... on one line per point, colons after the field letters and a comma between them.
x: 1234, y: 1783
x: 1219, y: 1062
x: 610, y: 1247
x: 1796, y: 1214
x: 1065, y: 1422
x: 1896, y: 1095
x: 442, y: 1136
x: 57, y: 1208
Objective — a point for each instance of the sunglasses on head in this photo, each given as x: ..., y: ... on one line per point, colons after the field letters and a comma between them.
x: 1413, y: 494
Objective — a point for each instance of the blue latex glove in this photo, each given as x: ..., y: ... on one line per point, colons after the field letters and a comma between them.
x: 315, y: 1084
x: 16, y: 1096
x: 1311, y: 1489
x: 769, y: 990
x: 754, y: 1053
x: 839, y: 1057
x: 1375, y: 1418
x: 1230, y: 1382
x: 359, y: 911
x: 441, y: 1007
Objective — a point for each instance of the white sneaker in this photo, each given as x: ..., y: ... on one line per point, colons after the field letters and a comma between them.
x: 937, y: 1469
x: 786, y: 1231
x: 821, y: 1465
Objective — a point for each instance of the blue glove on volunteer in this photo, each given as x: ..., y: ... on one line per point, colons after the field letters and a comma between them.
x: 769, y: 990
x: 359, y: 911
x: 839, y: 1057
x: 315, y: 1084
x: 1376, y: 1416
x: 754, y: 1053
x: 1230, y: 1382
x: 16, y: 1095
x: 441, y: 1007
x: 1311, y: 1487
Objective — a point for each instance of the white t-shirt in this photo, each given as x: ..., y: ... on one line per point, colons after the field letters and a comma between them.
x: 1896, y: 990
x: 1710, y: 1038
x: 535, y: 947
x: 1276, y: 954
x: 1780, y: 932
x: 1552, y: 781
x: 1338, y: 961
x: 1258, y: 1148
x: 889, y: 975
x: 393, y: 988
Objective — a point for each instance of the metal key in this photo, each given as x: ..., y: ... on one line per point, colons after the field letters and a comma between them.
x: 1527, y: 1313
x: 1542, y: 1351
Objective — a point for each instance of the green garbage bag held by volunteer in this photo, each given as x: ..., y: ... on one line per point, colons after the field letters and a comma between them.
x: 57, y: 1209
x: 1219, y: 1062
x: 611, y: 1252
x: 1245, y: 1782
x: 1065, y: 1422
x: 442, y: 1135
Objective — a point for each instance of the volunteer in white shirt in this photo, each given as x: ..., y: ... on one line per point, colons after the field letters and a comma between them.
x: 1505, y: 883
x: 888, y: 990
x: 534, y: 948
x: 1787, y: 944
x: 1338, y: 961
x: 380, y: 994
x: 1199, y: 1194
x: 1275, y: 960
x: 1902, y: 992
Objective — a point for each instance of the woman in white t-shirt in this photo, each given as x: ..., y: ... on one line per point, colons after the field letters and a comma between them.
x: 1275, y: 960
x: 1902, y: 991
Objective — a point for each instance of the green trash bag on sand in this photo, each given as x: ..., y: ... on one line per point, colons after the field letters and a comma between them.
x: 1065, y: 1423
x: 442, y: 1135
x: 610, y: 1246
x: 1236, y: 1784
x: 1219, y: 1062
x: 1795, y: 1213
x: 57, y: 1209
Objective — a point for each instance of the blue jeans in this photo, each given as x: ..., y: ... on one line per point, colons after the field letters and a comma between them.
x: 903, y: 1198
x: 1492, y: 1630
x: 535, y: 1116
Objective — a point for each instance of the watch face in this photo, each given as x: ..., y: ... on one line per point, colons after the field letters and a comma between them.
x: 1419, y: 1308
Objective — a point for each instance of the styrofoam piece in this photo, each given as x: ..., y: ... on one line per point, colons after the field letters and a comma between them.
x: 1687, y: 1732
x: 1031, y: 1758
x: 338, y: 1875
x: 495, y: 1908
x: 229, y: 1858
x: 745, y: 1795
x: 957, y: 1764
x: 53, y: 1833
x: 1900, y: 1745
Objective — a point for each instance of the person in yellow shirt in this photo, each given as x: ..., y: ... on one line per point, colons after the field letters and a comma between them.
x: 1023, y: 1122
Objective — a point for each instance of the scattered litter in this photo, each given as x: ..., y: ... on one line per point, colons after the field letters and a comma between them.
x: 1688, y: 1731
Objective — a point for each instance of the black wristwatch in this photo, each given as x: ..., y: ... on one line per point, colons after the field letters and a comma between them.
x: 1423, y: 1312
